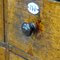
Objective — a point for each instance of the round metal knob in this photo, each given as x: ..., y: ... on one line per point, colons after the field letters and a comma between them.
x: 28, y: 28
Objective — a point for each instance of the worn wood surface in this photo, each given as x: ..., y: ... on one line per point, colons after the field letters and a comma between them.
x: 15, y: 57
x: 46, y: 44
x: 1, y: 21
x: 2, y: 53
x: 17, y: 14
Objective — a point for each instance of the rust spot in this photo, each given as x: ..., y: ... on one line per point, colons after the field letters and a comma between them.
x: 39, y: 25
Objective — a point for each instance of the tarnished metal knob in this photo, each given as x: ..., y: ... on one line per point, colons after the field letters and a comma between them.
x: 28, y: 28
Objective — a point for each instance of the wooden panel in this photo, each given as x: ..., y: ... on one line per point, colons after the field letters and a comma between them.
x: 2, y: 53
x: 46, y: 44
x: 1, y: 21
x: 48, y: 47
x: 15, y: 57
x: 17, y: 14
x: 51, y: 36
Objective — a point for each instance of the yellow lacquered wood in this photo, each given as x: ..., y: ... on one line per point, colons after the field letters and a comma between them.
x: 1, y: 21
x: 2, y: 53
x: 46, y: 44
x: 17, y: 14
x: 12, y: 56
x: 52, y: 18
x: 50, y: 40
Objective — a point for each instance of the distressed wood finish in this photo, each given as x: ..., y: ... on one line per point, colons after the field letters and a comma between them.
x: 17, y: 14
x: 46, y: 44
x: 52, y: 30
x: 15, y: 57
x: 1, y: 21
x: 2, y: 53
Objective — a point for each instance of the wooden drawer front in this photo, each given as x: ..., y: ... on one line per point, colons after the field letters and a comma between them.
x: 46, y: 44
x: 17, y: 14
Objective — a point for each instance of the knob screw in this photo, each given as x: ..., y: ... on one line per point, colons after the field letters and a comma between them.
x: 28, y: 28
